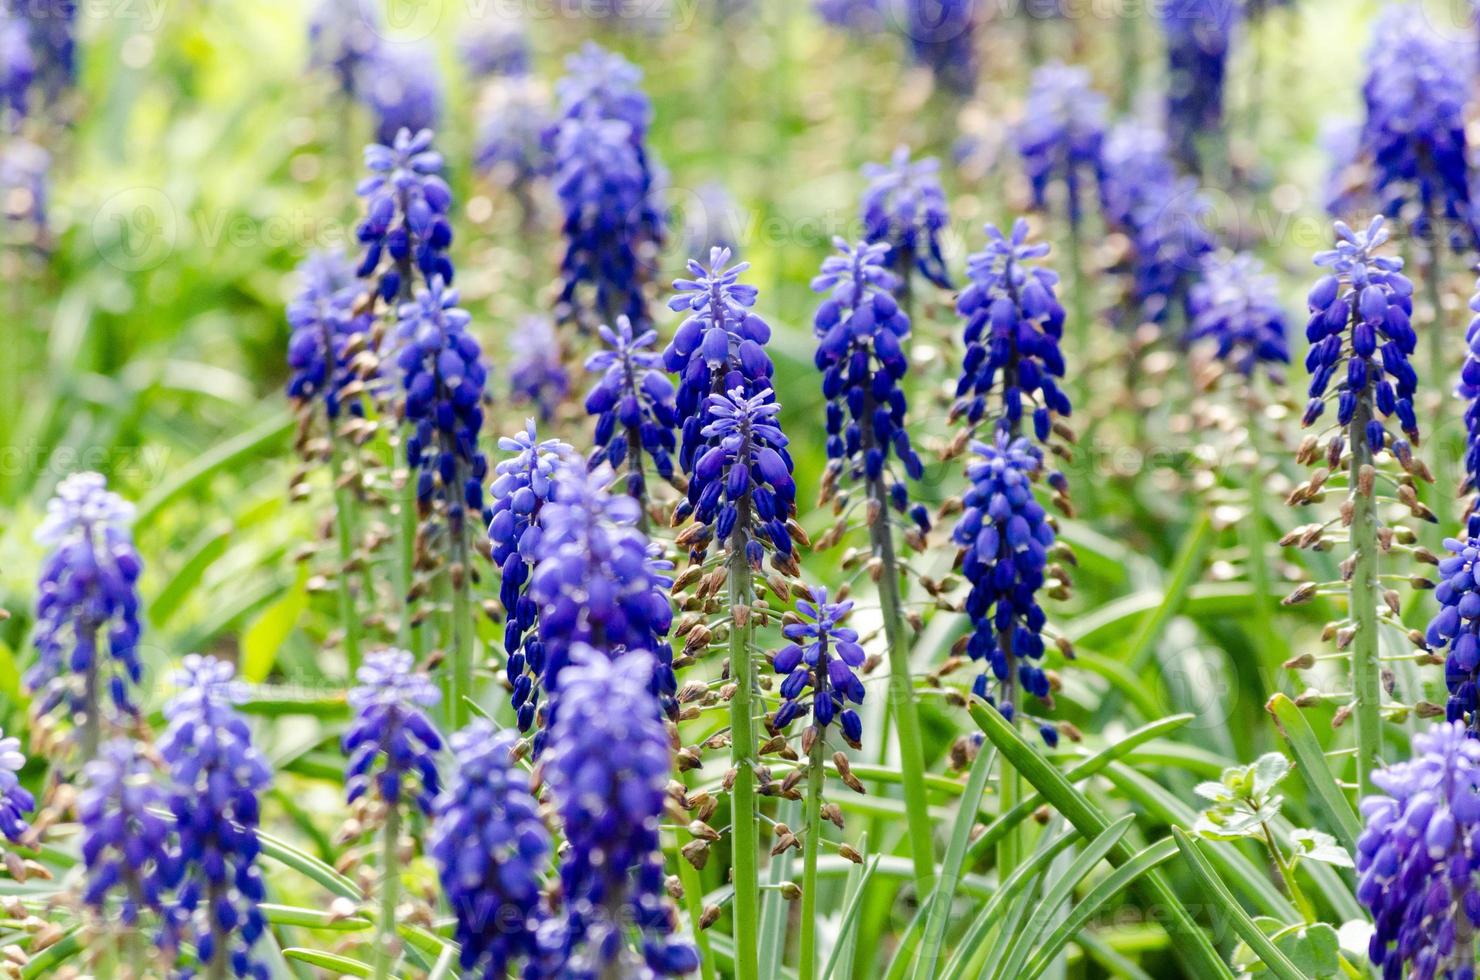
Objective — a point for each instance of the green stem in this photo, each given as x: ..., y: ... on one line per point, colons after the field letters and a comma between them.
x: 807, y: 967
x: 1254, y: 541
x: 743, y: 813
x: 462, y: 631
x: 345, y: 532
x: 411, y: 638
x: 390, y: 886
x: 1287, y: 875
x: 1010, y: 845
x: 92, y: 722
x: 902, y: 695
x: 1366, y: 668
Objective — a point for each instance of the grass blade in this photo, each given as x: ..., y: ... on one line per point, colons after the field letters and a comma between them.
x: 1311, y: 763
x: 944, y: 893
x: 335, y: 964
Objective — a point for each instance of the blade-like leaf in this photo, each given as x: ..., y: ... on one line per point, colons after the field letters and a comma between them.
x: 1311, y: 763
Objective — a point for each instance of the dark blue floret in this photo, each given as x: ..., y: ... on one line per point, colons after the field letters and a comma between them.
x: 216, y: 777
x: 905, y: 208
x: 611, y: 805
x: 633, y: 401
x: 1014, y: 325
x: 1006, y: 537
x: 391, y: 742
x: 87, y: 606
x: 402, y: 85
x: 1197, y: 36
x: 405, y: 230
x: 1061, y: 136
x: 537, y: 374
x: 1236, y: 308
x: 124, y: 836
x: 490, y: 846
x: 324, y: 325
x: 942, y: 36
x: 823, y: 656
x: 1361, y: 337
x: 1417, y: 856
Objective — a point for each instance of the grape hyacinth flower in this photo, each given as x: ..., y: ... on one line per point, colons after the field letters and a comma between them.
x: 611, y: 806
x: 489, y: 845
x: 1360, y: 319
x: 216, y: 776
x: 598, y: 581
x: 1235, y: 306
x: 511, y: 145
x: 1198, y: 36
x: 860, y: 333
x: 1137, y: 167
x: 17, y: 68
x: 494, y: 47
x: 823, y: 655
x: 391, y: 741
x: 1414, y: 133
x: 633, y: 402
x: 537, y: 374
x: 401, y: 84
x: 1005, y: 536
x: 1417, y: 855
x: 522, y: 485
x: 601, y: 186
x: 406, y: 204
x: 87, y: 609
x: 343, y: 37
x: 719, y: 346
x: 1469, y: 390
x: 444, y: 376
x: 1014, y: 325
x: 15, y: 800
x: 52, y: 27
x: 324, y: 325
x: 125, y: 839
x: 941, y: 35
x: 905, y: 208
x: 858, y: 17
x: 613, y: 221
x: 1457, y: 627
x: 1061, y: 136
x: 743, y: 480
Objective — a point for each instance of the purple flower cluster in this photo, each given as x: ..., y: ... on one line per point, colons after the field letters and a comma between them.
x: 860, y: 332
x: 719, y: 346
x: 443, y: 374
x: 52, y: 29
x: 611, y: 805
x: 489, y: 845
x: 823, y: 655
x: 215, y: 778
x: 1014, y: 325
x: 856, y: 16
x: 391, y: 740
x: 87, y: 606
x: 323, y: 323
x: 633, y: 402
x: 17, y: 68
x: 511, y: 142
x: 905, y: 208
x: 607, y: 187
x: 942, y: 36
x: 125, y: 839
x: 406, y: 203
x: 597, y: 581
x: 1469, y: 389
x: 1457, y: 627
x: 343, y: 35
x: 1416, y: 91
x: 493, y: 46
x: 1418, y: 855
x: 537, y: 374
x: 1198, y: 36
x: 1164, y: 217
x: 401, y: 85
x: 1005, y: 535
x: 1359, y: 318
x: 744, y: 479
x: 1061, y: 136
x: 23, y: 192
x: 15, y: 800
x: 522, y: 485
x: 1235, y: 306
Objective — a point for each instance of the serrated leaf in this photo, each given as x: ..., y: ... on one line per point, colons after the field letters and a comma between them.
x: 1209, y: 790
x: 1270, y: 768
x: 1317, y: 845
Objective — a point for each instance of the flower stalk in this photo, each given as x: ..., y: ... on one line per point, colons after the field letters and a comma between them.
x: 743, y: 824
x: 807, y: 967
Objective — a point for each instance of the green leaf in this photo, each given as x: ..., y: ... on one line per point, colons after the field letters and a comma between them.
x: 1311, y: 762
x: 269, y: 631
x: 1227, y: 907
x: 944, y: 893
x: 1317, y: 845
x: 332, y: 962
x: 1190, y: 942
x: 1270, y: 768
x: 841, y: 956
x: 270, y: 430
x: 1313, y: 949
